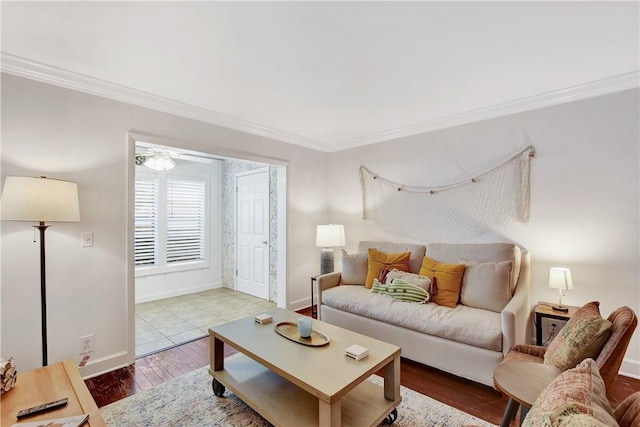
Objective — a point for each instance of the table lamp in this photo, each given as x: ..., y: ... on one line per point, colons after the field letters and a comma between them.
x: 560, y: 279
x: 326, y: 237
x: 40, y: 199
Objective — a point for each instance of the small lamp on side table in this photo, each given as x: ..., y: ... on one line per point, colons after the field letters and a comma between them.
x: 560, y: 279
x: 328, y: 236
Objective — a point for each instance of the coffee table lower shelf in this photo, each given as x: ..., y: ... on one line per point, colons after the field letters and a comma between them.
x: 282, y: 403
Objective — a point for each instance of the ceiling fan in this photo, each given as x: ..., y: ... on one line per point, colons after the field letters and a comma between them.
x: 162, y: 159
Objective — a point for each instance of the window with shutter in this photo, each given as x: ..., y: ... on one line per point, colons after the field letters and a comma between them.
x: 146, y: 221
x: 170, y: 222
x: 185, y: 219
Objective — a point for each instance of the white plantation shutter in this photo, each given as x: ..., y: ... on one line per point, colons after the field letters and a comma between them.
x: 146, y: 221
x: 185, y: 219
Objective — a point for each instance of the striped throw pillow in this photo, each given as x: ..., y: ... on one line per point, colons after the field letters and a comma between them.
x: 401, y: 290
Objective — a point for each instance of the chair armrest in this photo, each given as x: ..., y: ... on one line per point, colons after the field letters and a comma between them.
x: 516, y: 316
x: 323, y: 282
x: 533, y: 350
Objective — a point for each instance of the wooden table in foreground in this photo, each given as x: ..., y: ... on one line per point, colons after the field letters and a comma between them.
x: 47, y: 384
x: 522, y: 382
x: 293, y: 384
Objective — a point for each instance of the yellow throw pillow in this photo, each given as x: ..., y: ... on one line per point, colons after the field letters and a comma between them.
x: 380, y: 260
x: 448, y: 280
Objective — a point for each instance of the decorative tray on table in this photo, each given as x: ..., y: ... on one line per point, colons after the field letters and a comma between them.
x: 289, y: 330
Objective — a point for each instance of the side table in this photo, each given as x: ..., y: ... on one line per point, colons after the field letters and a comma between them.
x: 47, y: 384
x: 522, y: 382
x: 544, y: 310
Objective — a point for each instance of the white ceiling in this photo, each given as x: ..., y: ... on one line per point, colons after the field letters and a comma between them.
x: 328, y: 75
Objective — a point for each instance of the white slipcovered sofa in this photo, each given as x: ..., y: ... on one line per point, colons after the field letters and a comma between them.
x: 469, y: 340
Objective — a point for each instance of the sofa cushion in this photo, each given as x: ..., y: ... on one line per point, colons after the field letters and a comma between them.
x: 379, y: 261
x: 448, y: 280
x: 577, y: 397
x: 486, y: 285
x: 468, y: 325
x: 354, y: 268
x: 423, y: 281
x: 401, y: 290
x: 582, y: 337
x: 417, y: 251
x: 481, y: 252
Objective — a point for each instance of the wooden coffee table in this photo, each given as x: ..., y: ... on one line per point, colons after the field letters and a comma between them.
x: 293, y: 384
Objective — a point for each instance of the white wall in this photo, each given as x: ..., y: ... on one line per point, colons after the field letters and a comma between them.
x: 584, y: 215
x: 153, y: 286
x: 584, y: 192
x: 60, y: 133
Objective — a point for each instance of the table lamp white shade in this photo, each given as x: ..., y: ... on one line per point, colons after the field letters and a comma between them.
x: 560, y: 279
x: 328, y: 236
x: 40, y: 199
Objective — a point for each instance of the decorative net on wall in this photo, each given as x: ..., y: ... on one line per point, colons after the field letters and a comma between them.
x: 450, y: 212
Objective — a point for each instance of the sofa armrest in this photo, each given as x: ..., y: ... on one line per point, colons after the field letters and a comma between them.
x: 516, y: 315
x: 323, y: 282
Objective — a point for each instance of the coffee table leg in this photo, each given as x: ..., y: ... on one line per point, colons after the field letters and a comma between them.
x: 392, y: 379
x: 330, y: 413
x: 509, y: 413
x: 216, y: 353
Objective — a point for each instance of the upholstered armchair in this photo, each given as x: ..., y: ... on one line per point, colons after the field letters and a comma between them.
x: 623, y: 323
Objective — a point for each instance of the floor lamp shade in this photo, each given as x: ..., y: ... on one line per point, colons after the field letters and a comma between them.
x: 328, y: 236
x: 40, y: 200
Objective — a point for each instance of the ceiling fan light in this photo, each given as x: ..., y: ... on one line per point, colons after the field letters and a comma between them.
x: 159, y: 162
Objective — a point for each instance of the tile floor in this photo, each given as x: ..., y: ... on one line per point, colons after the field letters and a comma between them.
x: 165, y: 323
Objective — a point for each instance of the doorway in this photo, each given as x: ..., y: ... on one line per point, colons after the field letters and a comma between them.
x: 219, y: 280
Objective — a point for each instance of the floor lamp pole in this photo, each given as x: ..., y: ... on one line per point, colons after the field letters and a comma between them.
x: 43, y: 292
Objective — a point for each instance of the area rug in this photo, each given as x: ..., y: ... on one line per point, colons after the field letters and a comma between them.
x: 188, y: 401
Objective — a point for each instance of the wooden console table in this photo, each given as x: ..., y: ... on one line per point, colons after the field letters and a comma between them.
x: 47, y: 384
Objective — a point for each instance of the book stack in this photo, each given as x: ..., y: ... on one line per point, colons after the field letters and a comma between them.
x: 7, y: 375
x: 357, y: 352
x: 74, y: 421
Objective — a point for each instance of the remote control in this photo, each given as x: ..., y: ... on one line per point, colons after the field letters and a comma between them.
x: 42, y: 408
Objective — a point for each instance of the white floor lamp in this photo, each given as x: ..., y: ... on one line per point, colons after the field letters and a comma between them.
x: 40, y: 200
x: 328, y: 236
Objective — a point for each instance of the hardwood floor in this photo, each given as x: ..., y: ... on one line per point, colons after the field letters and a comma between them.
x: 476, y: 399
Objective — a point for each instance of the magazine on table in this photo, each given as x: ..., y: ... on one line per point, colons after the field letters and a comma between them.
x: 74, y: 421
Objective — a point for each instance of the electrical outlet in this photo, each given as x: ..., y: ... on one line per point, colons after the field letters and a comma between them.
x: 87, y: 239
x: 86, y: 344
x: 551, y: 327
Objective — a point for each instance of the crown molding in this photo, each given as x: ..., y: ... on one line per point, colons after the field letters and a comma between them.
x: 575, y: 93
x: 21, y: 67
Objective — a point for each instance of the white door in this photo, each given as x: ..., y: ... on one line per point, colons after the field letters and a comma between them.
x: 252, y: 232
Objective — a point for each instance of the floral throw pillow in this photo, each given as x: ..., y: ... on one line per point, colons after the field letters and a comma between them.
x: 582, y: 337
x: 577, y: 397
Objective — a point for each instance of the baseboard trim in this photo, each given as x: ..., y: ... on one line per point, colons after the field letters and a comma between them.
x: 104, y: 364
x: 630, y: 368
x: 178, y: 292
